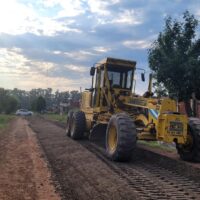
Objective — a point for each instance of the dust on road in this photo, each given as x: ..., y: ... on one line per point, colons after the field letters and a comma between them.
x: 23, y: 171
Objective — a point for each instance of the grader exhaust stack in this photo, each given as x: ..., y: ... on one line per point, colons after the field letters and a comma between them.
x: 110, y: 111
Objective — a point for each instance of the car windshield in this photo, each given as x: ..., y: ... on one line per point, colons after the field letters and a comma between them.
x: 120, y: 77
x: 23, y: 110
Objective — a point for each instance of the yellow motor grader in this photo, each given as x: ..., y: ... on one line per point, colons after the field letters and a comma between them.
x: 111, y: 107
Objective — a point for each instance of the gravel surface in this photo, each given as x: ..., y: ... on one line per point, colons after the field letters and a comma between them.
x: 38, y: 161
x: 79, y: 172
x: 82, y: 171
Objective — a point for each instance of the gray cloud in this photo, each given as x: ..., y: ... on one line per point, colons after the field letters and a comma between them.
x: 121, y: 29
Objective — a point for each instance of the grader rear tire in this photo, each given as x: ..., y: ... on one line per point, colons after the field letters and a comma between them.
x: 78, y: 125
x: 69, y: 122
x: 120, y: 137
x: 191, y: 151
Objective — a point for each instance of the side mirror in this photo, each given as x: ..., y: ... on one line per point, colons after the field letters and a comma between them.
x: 92, y: 71
x: 89, y: 89
x: 143, y: 77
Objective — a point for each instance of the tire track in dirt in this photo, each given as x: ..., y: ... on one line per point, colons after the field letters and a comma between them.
x: 80, y: 174
x: 142, y: 178
x: 149, y: 179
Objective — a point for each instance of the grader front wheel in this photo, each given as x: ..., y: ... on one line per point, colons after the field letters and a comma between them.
x: 78, y: 125
x: 69, y: 122
x: 191, y: 150
x: 120, y: 137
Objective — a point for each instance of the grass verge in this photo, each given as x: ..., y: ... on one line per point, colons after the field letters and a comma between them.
x: 158, y: 145
x: 56, y: 117
x: 4, y: 119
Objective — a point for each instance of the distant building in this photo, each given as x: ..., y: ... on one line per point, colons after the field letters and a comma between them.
x: 65, y: 107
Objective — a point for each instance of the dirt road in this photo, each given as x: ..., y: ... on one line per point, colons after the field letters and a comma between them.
x: 23, y: 172
x: 83, y: 171
x: 80, y: 173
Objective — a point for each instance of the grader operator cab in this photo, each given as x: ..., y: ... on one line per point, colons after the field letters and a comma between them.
x: 110, y: 107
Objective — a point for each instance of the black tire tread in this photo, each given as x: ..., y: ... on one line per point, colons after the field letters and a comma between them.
x: 126, y: 138
x: 194, y: 155
x: 80, y: 125
x: 68, y: 124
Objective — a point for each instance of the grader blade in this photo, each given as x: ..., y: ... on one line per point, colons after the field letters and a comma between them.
x: 98, y: 134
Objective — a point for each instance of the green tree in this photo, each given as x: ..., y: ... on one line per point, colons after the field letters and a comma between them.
x: 8, y: 103
x: 40, y: 104
x: 174, y: 59
x: 11, y: 104
x: 160, y: 90
x: 34, y: 105
x: 3, y: 95
x: 75, y: 95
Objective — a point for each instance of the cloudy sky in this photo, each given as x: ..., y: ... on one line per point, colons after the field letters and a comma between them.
x: 52, y: 43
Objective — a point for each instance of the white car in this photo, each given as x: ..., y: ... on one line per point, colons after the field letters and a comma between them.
x: 24, y: 112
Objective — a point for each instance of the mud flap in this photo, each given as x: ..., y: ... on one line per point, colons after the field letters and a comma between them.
x: 98, y: 134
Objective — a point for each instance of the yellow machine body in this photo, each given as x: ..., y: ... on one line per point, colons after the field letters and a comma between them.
x: 111, y: 93
x: 172, y: 128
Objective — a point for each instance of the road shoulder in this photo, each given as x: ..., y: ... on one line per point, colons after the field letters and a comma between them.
x: 24, y: 172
